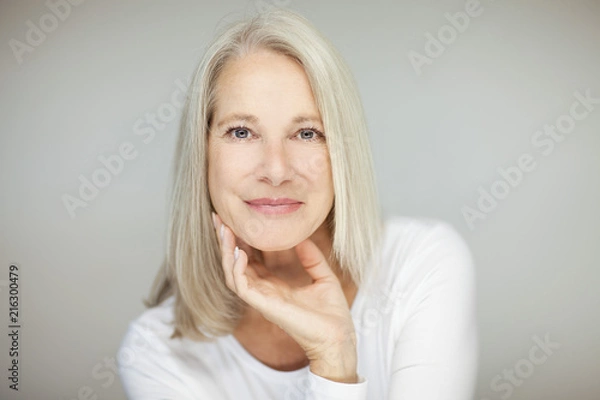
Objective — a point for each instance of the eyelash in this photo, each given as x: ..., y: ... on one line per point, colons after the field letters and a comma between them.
x: 319, y: 135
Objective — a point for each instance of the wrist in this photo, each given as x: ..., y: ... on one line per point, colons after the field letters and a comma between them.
x: 336, y: 364
x: 336, y: 373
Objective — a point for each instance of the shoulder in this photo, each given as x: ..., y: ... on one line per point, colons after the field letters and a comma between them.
x: 149, y: 333
x: 152, y: 365
x: 417, y: 250
x: 159, y: 319
x: 417, y: 231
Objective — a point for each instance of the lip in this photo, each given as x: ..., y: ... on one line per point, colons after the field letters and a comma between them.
x: 274, y: 206
x: 272, y: 201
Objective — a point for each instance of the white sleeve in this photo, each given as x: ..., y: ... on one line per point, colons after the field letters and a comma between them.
x: 436, y: 353
x: 145, y: 370
x: 325, y: 389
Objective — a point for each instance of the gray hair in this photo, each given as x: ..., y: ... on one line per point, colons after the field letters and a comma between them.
x: 204, y: 306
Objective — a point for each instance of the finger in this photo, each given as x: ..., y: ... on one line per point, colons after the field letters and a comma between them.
x: 217, y: 225
x: 247, y: 283
x: 229, y: 241
x: 250, y: 251
x: 254, y: 259
x: 227, y: 247
x: 314, y: 261
x: 254, y: 271
x: 239, y: 277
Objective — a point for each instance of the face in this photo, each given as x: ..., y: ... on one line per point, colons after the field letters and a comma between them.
x: 267, y: 141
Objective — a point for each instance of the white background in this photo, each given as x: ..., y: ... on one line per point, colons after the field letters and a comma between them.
x: 437, y: 137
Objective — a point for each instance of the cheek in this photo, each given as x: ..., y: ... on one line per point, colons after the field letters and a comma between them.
x: 216, y: 161
x: 318, y: 168
x: 217, y: 174
x: 226, y: 172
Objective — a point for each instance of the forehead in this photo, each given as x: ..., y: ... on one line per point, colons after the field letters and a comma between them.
x: 263, y: 80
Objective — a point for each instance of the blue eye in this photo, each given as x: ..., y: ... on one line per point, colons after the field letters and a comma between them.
x: 309, y: 132
x: 311, y: 135
x: 240, y: 133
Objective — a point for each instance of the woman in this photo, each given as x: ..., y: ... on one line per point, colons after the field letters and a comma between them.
x: 281, y: 280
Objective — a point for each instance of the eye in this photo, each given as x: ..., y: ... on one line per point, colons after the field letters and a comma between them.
x: 307, y: 134
x: 310, y: 135
x: 238, y: 133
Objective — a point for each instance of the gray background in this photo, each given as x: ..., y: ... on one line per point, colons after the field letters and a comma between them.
x: 437, y: 137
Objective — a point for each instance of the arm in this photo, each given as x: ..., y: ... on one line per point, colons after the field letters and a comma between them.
x: 435, y: 354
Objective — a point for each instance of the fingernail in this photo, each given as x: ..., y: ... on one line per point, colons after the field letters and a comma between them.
x: 236, y: 253
x: 222, y: 231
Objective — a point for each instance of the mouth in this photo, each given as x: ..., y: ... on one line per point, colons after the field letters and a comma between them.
x: 271, y: 206
x: 273, y: 201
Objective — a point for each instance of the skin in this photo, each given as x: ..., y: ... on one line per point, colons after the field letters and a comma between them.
x: 294, y: 297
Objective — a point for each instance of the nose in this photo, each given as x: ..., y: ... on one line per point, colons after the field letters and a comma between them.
x: 275, y: 164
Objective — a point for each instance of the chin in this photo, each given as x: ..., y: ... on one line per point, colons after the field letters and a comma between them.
x: 274, y: 244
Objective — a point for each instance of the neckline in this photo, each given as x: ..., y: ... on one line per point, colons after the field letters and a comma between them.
x: 263, y: 369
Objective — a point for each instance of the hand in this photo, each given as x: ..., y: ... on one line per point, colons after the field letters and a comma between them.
x: 316, y: 316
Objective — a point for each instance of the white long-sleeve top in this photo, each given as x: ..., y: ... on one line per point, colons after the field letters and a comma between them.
x: 415, y: 325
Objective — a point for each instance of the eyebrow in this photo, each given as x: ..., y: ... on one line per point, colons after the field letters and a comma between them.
x: 254, y: 119
x: 238, y: 117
